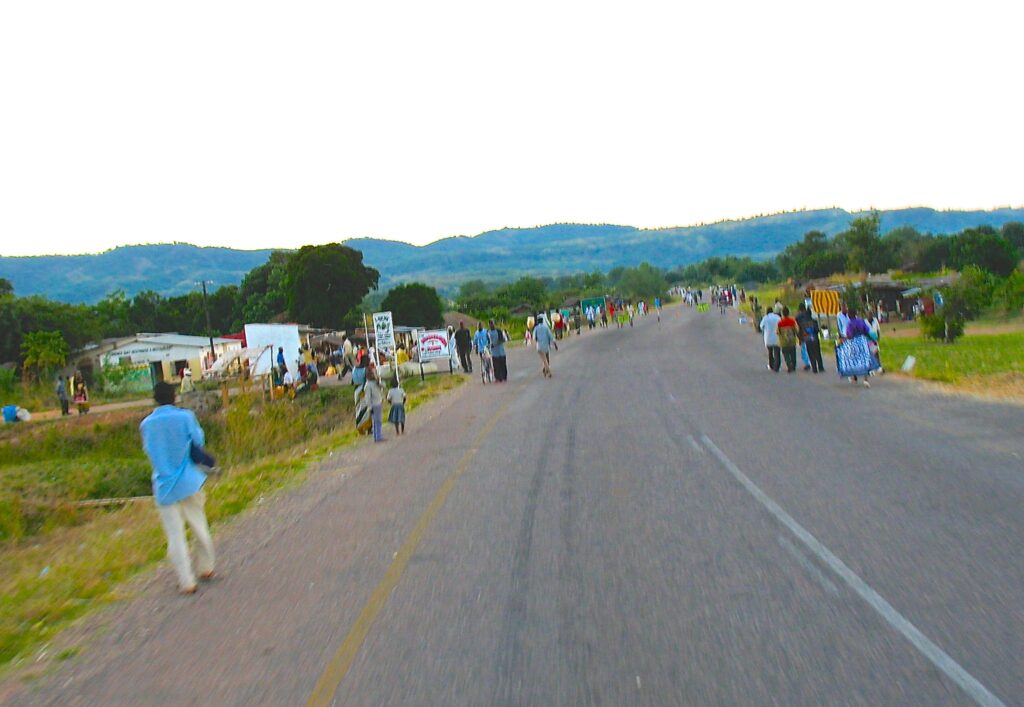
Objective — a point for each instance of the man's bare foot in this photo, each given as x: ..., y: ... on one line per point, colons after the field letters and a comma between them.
x: 188, y: 590
x: 207, y: 576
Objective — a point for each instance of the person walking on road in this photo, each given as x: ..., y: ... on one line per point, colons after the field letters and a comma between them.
x: 544, y: 340
x: 396, y: 415
x: 81, y: 395
x: 481, y: 341
x: 770, y: 329
x: 496, y: 343
x: 375, y: 401
x: 810, y: 335
x: 803, y: 316
x: 464, y: 345
x: 858, y: 359
x: 62, y: 396
x: 169, y: 435
x: 788, y: 338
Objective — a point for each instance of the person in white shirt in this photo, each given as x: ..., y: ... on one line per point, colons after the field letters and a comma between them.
x: 770, y: 328
x: 843, y: 321
x: 396, y: 397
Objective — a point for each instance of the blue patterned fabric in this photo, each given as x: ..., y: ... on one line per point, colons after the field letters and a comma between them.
x: 853, y: 358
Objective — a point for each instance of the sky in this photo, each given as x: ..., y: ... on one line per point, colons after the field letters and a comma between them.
x: 256, y: 124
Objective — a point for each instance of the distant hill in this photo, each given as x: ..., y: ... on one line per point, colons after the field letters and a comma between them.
x: 495, y: 255
x: 170, y: 269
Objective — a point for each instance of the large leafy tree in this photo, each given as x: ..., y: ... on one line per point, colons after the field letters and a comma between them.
x: 867, y: 251
x: 414, y: 304
x: 43, y: 352
x: 644, y: 281
x: 263, y: 293
x: 793, y: 260
x: 326, y: 281
x: 985, y: 249
x: 1014, y: 232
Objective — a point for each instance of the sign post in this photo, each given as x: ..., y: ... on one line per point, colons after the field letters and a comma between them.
x: 434, y: 345
x: 384, y: 334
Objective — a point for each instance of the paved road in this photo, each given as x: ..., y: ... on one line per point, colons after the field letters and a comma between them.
x: 665, y: 522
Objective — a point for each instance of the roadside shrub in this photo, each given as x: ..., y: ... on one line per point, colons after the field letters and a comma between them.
x: 1009, y: 295
x: 933, y: 326
x: 8, y: 377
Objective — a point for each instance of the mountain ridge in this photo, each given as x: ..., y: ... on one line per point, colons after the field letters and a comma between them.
x: 496, y: 255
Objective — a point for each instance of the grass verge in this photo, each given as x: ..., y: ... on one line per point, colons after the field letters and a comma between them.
x: 55, y: 571
x: 972, y: 361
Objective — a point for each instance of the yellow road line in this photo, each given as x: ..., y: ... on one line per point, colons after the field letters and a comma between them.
x: 341, y: 661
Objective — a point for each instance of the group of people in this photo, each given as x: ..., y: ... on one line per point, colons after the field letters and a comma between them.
x: 288, y: 382
x: 72, y: 388
x: 857, y: 352
x: 784, y: 333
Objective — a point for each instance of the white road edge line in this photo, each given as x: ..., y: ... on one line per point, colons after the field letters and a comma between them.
x: 939, y: 658
x: 806, y: 563
x: 695, y: 444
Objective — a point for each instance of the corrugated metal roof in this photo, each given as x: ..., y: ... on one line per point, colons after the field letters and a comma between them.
x: 183, y: 340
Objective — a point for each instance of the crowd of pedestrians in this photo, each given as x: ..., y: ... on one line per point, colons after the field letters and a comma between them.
x: 857, y: 351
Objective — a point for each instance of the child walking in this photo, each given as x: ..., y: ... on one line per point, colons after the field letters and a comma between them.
x: 396, y: 416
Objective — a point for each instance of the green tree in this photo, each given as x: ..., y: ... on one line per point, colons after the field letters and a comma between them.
x: 414, y: 304
x: 866, y: 252
x: 225, y: 310
x: 823, y: 264
x: 115, y: 314
x: 471, y: 288
x: 263, y: 293
x: 6, y: 288
x: 985, y: 249
x: 43, y: 352
x: 325, y: 282
x: 526, y: 290
x: 792, y: 260
x: 902, y: 243
x: 644, y: 281
x: 1014, y: 232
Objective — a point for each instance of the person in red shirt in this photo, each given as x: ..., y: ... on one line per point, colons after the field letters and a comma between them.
x: 788, y: 337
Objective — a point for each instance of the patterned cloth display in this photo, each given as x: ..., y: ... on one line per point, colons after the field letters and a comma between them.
x: 853, y: 358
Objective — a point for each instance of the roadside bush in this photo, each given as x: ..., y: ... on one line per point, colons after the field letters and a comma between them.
x: 1009, y: 295
x: 8, y: 377
x: 933, y: 326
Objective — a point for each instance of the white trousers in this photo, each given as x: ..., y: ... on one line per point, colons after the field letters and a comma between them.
x: 174, y: 517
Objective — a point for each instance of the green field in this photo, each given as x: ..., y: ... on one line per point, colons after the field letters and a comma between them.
x: 973, y: 356
x: 59, y: 560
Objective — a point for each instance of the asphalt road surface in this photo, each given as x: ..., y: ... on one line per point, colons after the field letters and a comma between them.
x: 665, y: 522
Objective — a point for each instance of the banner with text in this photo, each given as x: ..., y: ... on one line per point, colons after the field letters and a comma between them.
x: 434, y: 345
x: 384, y: 329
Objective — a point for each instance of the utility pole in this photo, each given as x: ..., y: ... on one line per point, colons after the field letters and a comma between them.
x: 209, y: 329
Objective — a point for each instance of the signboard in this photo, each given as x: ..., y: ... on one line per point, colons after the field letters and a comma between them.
x: 825, y: 301
x: 275, y: 336
x: 434, y: 345
x: 596, y: 302
x: 384, y: 329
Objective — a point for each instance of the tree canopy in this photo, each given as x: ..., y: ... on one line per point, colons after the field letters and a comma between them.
x: 324, y: 283
x: 414, y: 304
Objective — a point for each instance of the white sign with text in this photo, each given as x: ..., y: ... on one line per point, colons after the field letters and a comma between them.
x: 434, y: 345
x: 384, y: 329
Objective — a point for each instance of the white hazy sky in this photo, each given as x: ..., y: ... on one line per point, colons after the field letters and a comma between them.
x: 258, y: 124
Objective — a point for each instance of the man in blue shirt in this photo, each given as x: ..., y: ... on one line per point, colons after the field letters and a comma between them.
x: 168, y: 434
x: 544, y: 340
